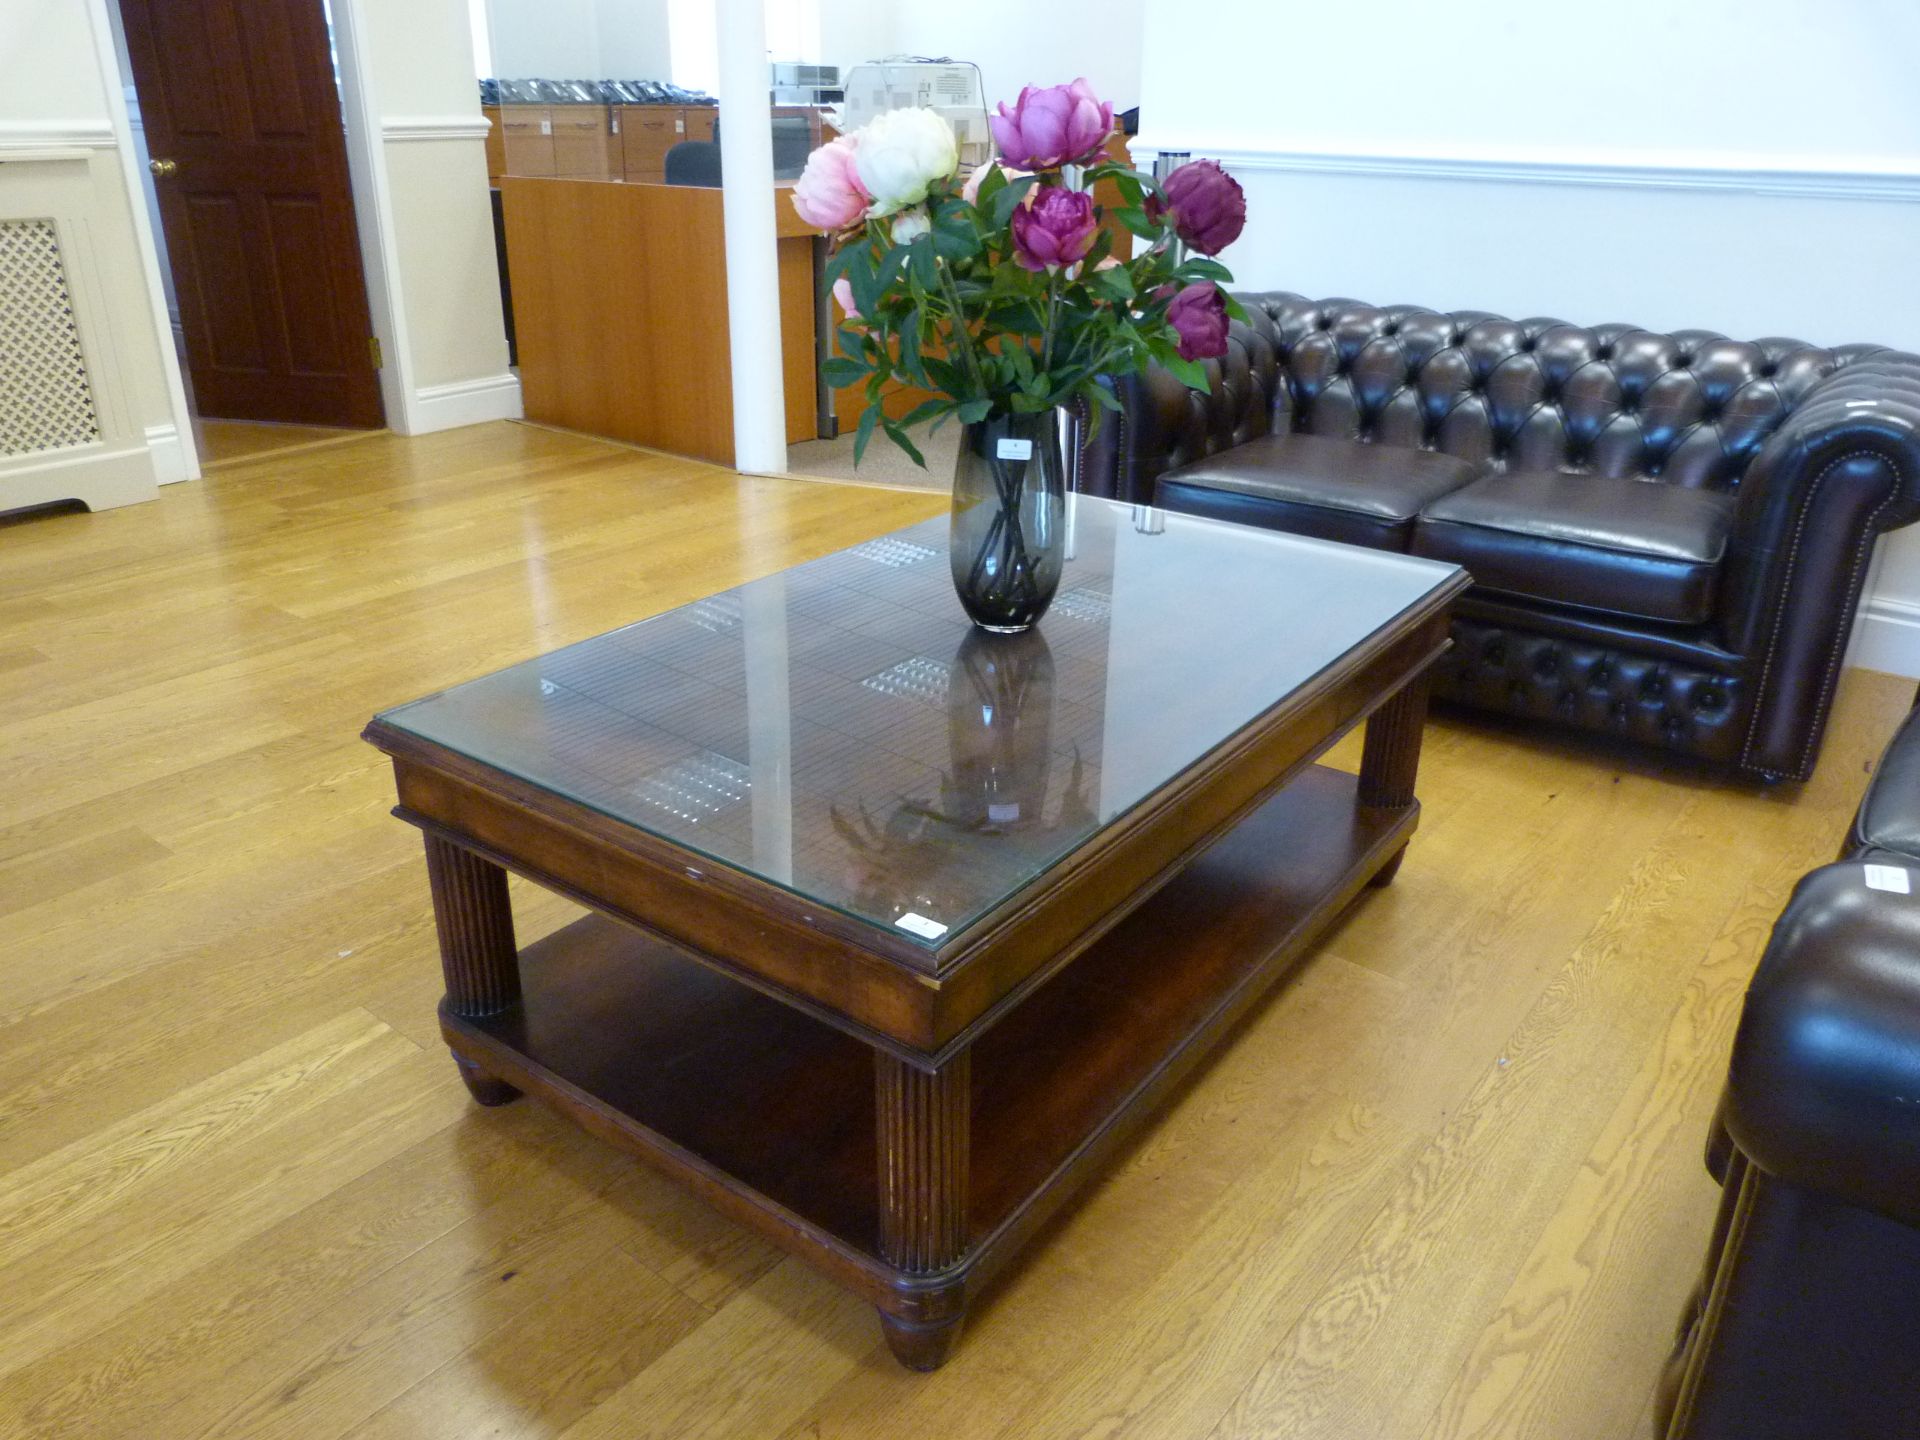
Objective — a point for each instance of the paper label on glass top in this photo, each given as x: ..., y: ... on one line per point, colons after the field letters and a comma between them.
x: 1888, y: 877
x: 1011, y: 449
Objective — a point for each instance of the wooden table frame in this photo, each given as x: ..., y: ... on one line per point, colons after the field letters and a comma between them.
x: 911, y: 1187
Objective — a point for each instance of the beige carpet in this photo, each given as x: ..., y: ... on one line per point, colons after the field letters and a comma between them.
x: 884, y: 462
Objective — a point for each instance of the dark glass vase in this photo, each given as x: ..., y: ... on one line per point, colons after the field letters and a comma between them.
x: 1008, y: 533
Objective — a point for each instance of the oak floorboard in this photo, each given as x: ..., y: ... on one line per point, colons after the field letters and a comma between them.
x: 1446, y: 1184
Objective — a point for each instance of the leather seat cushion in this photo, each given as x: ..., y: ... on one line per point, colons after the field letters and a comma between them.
x: 1889, y: 817
x: 1629, y: 547
x: 1312, y: 485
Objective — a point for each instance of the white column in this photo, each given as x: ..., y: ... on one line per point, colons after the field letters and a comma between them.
x: 753, y: 265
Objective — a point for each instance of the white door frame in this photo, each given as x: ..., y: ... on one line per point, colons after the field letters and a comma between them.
x: 372, y: 207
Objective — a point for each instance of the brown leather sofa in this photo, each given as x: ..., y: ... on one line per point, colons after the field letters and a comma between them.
x: 1705, y: 612
x: 1807, y: 1318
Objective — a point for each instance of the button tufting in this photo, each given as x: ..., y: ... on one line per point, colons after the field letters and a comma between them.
x: 1547, y: 663
x: 1706, y: 699
x: 1654, y: 684
x: 1682, y: 360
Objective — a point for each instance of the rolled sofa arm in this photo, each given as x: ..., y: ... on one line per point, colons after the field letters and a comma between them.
x: 1164, y: 424
x: 1842, y: 470
x: 1824, y: 1089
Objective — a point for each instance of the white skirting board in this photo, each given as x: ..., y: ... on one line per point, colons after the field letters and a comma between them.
x: 170, y: 462
x: 1887, y: 636
x: 463, y: 402
x: 98, y: 477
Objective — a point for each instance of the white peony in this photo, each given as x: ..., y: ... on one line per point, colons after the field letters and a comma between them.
x: 910, y: 225
x: 901, y: 153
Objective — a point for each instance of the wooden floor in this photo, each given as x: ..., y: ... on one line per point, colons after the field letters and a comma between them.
x: 1446, y: 1185
x: 229, y: 442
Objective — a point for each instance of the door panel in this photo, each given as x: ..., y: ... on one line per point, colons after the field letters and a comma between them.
x: 314, y: 343
x: 240, y: 96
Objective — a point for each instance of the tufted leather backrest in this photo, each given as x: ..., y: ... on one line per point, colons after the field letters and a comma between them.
x: 1690, y: 408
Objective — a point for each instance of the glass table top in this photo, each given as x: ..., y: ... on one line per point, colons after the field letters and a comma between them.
x: 839, y: 728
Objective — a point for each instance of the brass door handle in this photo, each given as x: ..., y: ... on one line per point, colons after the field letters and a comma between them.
x: 163, y: 168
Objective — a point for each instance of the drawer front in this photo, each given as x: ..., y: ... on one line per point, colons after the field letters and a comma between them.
x: 526, y: 135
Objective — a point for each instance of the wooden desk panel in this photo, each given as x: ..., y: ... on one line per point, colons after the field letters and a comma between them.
x: 620, y: 312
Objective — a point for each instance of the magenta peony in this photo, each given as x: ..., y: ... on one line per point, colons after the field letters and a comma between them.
x: 828, y: 195
x: 1061, y: 125
x: 1198, y: 316
x: 1058, y: 228
x: 1208, y: 207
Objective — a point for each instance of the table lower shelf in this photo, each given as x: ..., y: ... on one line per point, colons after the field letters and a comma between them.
x: 770, y: 1113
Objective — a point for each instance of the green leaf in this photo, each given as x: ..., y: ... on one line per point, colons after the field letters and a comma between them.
x: 910, y: 348
x: 899, y: 437
x: 866, y: 294
x: 1129, y: 188
x: 1007, y: 200
x: 840, y: 373
x: 925, y: 270
x: 974, y: 411
x: 1200, y: 268
x: 1114, y: 283
x: 868, y: 419
x: 1235, y: 310
x: 955, y: 242
x: 1136, y: 221
x: 926, y: 410
x: 1190, y: 373
x: 991, y: 185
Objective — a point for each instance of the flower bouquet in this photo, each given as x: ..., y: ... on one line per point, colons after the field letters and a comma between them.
x: 1001, y: 297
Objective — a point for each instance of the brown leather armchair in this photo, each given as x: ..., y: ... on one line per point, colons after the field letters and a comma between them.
x: 1804, y: 1321
x: 1668, y: 533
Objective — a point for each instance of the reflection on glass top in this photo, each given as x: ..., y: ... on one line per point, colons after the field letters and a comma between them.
x: 841, y: 730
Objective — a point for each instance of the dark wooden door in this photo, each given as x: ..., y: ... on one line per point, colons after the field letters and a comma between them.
x: 243, y: 123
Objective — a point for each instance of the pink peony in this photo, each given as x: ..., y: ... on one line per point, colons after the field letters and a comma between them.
x: 1198, y: 316
x: 1061, y: 125
x: 1058, y: 228
x: 1208, y: 207
x: 828, y: 195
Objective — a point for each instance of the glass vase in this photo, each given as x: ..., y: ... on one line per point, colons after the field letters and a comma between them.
x: 1008, y: 533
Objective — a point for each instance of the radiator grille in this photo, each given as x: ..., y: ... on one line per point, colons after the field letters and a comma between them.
x: 46, y: 401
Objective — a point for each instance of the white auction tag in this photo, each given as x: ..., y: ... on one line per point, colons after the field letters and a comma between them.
x: 1888, y: 877
x: 1014, y: 450
x: 919, y: 924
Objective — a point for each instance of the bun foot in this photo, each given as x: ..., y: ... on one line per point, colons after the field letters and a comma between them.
x: 1383, y: 877
x: 920, y: 1347
x: 482, y: 1086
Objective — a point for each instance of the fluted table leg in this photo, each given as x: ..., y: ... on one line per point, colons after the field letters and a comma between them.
x: 1390, y: 759
x: 924, y: 1143
x: 477, y: 950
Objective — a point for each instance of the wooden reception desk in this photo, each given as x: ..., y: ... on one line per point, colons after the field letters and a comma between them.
x: 620, y: 311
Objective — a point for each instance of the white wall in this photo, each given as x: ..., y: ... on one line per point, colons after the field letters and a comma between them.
x: 449, y: 351
x: 1749, y: 166
x: 1017, y: 44
x: 60, y: 157
x: 579, y: 39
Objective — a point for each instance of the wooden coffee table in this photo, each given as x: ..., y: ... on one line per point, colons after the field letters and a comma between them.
x: 899, y: 930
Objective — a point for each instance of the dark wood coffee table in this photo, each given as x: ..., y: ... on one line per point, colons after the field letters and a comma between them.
x: 901, y: 929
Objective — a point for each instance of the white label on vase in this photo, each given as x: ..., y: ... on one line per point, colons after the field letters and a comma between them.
x: 919, y: 924
x: 1014, y: 450
x: 1888, y: 877
x: 546, y: 124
